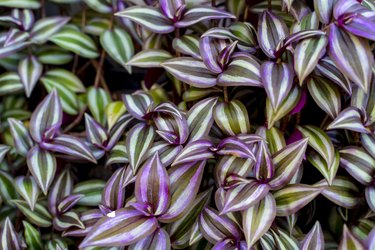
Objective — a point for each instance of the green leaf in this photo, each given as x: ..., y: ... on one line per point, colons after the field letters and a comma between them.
x: 39, y: 217
x: 114, y: 111
x: 32, y: 236
x: 25, y: 4
x: 150, y: 58
x: 29, y: 70
x: 28, y: 189
x: 7, y: 190
x: 63, y: 77
x: 10, y: 83
x: 54, y: 55
x: 91, y: 191
x: 44, y: 28
x: 97, y: 101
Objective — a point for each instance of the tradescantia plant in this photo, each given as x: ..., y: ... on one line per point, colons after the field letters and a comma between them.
x: 172, y: 124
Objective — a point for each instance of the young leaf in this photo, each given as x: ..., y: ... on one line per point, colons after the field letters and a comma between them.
x: 21, y: 136
x: 97, y: 101
x: 158, y: 240
x: 198, y: 14
x: 28, y: 189
x: 39, y: 216
x: 9, y: 237
x: 29, y: 69
x: 44, y: 28
x: 150, y: 58
x: 348, y: 240
x: 32, y: 236
x: 350, y: 119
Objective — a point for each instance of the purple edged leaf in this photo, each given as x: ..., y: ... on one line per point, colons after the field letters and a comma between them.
x: 230, y: 244
x: 21, y: 137
x: 210, y: 53
x: 4, y: 149
x: 138, y: 104
x: 277, y: 80
x: 199, y: 150
x: 264, y: 168
x: 149, y: 18
x: 350, y: 119
x: 271, y: 30
x: 359, y: 25
x: 9, y: 237
x: 166, y: 151
x: 42, y: 165
x: 88, y: 218
x: 11, y: 49
x: 158, y: 240
x: 170, y: 7
x: 117, y: 130
x: 370, y: 197
x: 95, y: 133
x: 46, y: 118
x: 343, y: 7
x: 187, y: 45
x: 192, y: 71
x: 286, y: 162
x: 352, y: 55
x: 314, y: 240
x: 172, y: 128
x: 44, y: 28
x: 68, y: 202
x: 198, y: 14
x: 120, y: 228
x: 257, y: 219
x: 243, y: 196
x: 323, y: 9
x: 67, y: 220
x: 30, y: 70
x: 61, y: 188
x: 349, y: 241
x: 225, y: 54
x: 370, y: 240
x: 229, y: 166
x: 28, y: 188
x: 185, y: 181
x: 235, y: 147
x: 152, y: 185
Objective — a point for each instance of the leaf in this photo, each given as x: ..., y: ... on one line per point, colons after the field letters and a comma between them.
x: 215, y: 227
x: 118, y: 44
x: 61, y: 188
x: 21, y: 137
x: 352, y: 55
x: 149, y: 18
x: 199, y: 150
x: 368, y: 143
x: 308, y: 22
x: 271, y: 30
x: 75, y: 41
x: 10, y: 83
x: 29, y: 70
x: 329, y: 172
x: 257, y: 219
x: 96, y: 26
x: 314, y: 240
x: 100, y: 6
x: 319, y: 141
x: 324, y: 9
x: 97, y: 101
x: 27, y: 4
x: 287, y: 161
x: 150, y: 58
x: 184, y: 186
x: 67, y: 220
x: 120, y: 228
x: 9, y: 237
x: 199, y: 118
x: 192, y: 71
x: 95, y: 133
x: 325, y: 94
x: 64, y: 78
x: 284, y: 241
x: 138, y: 142
x: 170, y: 7
x: 277, y: 80
x: 361, y: 26
x: 28, y: 189
x: 158, y: 240
x: 243, y: 70
x: 44, y: 28
x: 235, y: 147
x: 263, y: 169
x: 54, y: 55
x: 307, y: 54
x: 88, y: 218
x: 350, y: 119
x: 68, y: 202
x: 91, y: 191
x: 114, y: 111
x: 7, y: 190
x: 152, y: 185
x: 4, y: 149
x: 229, y: 166
x: 349, y: 241
x: 138, y: 104
x: 39, y: 216
x: 198, y: 14
x: 358, y: 163
x: 12, y: 49
x: 370, y: 197
x: 232, y: 117
x: 187, y: 45
x: 294, y: 197
x: 32, y: 236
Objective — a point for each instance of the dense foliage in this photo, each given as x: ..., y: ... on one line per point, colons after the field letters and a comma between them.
x: 172, y: 124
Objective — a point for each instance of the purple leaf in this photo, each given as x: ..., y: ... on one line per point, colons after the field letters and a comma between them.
x: 359, y: 25
x: 61, y: 188
x: 88, y: 218
x: 314, y: 240
x: 235, y: 147
x: 158, y: 240
x: 349, y: 241
x: 169, y: 7
x: 199, y: 150
x: 210, y: 53
x: 120, y: 228
x: 95, y: 133
x: 198, y: 14
x: 67, y: 220
x: 9, y: 237
x: 68, y: 202
x: 138, y: 104
x: 152, y: 185
x: 225, y: 54
x: 350, y: 119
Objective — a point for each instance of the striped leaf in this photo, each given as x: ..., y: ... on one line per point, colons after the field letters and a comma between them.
x: 68, y: 202
x: 118, y: 44
x: 325, y: 94
x: 67, y: 220
x: 61, y: 188
x: 44, y: 28
x: 210, y: 51
x: 120, y: 228
x: 54, y: 55
x: 166, y: 151
x: 114, y: 111
x: 350, y: 119
x: 9, y: 237
x: 284, y: 241
x: 64, y: 78
x: 74, y: 40
x: 314, y: 239
x: 28, y: 189
x: 7, y: 189
x: 152, y: 185
x: 88, y: 218
x: 185, y: 181
x: 199, y: 119
x: 368, y: 143
x: 39, y: 216
x: 349, y: 241
x: 10, y: 83
x: 277, y: 80
x: 56, y: 243
x: 158, y: 240
x: 287, y: 161
x: 29, y: 69
x: 215, y: 227
x: 27, y: 4
x: 257, y: 219
x: 42, y: 165
x: 308, y: 22
x: 324, y: 9
x: 360, y: 25
x: 195, y: 151
x: 150, y: 58
x: 12, y: 49
x: 352, y: 55
x: 271, y: 30
x: 90, y: 191
x: 118, y: 154
x: 263, y: 169
x: 95, y: 133
x: 235, y: 147
x: 358, y: 163
x: 46, y: 118
x: 232, y: 117
x: 192, y: 71
x: 170, y: 7
x: 97, y: 101
x: 187, y: 45
x: 96, y: 26
x: 328, y: 68
x: 198, y: 14
x: 370, y: 240
x: 343, y: 192
x: 294, y: 197
x: 229, y: 166
x: 138, y: 104
x: 4, y: 149
x: 21, y: 137
x: 328, y: 172
x: 307, y: 54
x: 100, y: 6
x: 370, y: 197
x: 273, y: 115
x: 138, y: 142
x: 149, y: 18
x: 319, y: 141
x: 243, y: 70
x: 274, y: 137
x: 32, y: 236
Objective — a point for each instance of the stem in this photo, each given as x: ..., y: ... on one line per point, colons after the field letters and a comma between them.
x: 225, y: 90
x: 43, y: 9
x: 269, y: 4
x: 213, y: 3
x: 177, y: 35
x: 76, y: 121
x: 246, y: 13
x: 99, y: 69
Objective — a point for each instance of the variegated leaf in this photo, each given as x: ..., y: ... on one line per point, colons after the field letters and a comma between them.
x: 201, y: 13
x: 32, y: 236
x: 187, y: 45
x: 44, y: 28
x: 97, y: 101
x: 370, y: 197
x: 324, y: 9
x: 67, y: 220
x: 350, y: 119
x: 28, y: 189
x: 158, y: 240
x: 29, y: 69
x: 329, y: 172
x: 195, y: 151
x: 95, y: 133
x: 9, y: 237
x: 39, y: 216
x: 114, y: 111
x: 368, y: 142
x: 7, y: 189
x: 308, y: 22
x: 63, y: 77
x: 284, y: 241
x: 150, y: 58
x: 349, y: 241
x: 91, y: 192
x: 21, y: 136
x: 54, y: 55
x: 314, y: 240
x: 229, y: 166
x: 10, y: 83
x: 138, y: 104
